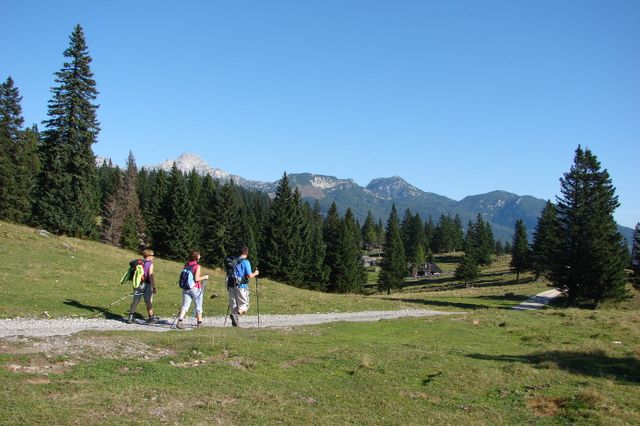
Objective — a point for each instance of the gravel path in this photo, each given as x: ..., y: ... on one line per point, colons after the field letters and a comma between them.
x: 538, y: 301
x: 66, y: 326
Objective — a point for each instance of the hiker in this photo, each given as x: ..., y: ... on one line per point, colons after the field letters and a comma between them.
x: 194, y: 293
x: 239, y: 293
x: 147, y: 288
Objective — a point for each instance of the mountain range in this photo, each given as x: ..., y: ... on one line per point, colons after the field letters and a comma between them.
x: 500, y: 208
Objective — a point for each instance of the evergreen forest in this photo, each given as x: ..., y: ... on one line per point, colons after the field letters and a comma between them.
x: 49, y: 179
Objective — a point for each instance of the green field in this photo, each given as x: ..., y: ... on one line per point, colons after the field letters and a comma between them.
x: 487, y: 365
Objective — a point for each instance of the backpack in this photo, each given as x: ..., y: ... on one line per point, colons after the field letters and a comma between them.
x: 233, y: 267
x: 186, y: 280
x: 136, y: 274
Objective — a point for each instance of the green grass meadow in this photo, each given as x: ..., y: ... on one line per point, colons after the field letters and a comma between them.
x: 482, y: 364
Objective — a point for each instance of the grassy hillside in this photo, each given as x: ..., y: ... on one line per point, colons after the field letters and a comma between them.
x: 69, y: 277
x: 489, y: 365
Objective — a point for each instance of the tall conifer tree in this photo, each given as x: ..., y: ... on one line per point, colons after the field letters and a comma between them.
x: 180, y: 233
x: 394, y: 264
x: 468, y: 269
x: 545, y: 241
x: 282, y: 243
x: 589, y: 266
x: 520, y: 249
x: 316, y: 272
x: 351, y: 275
x: 68, y: 198
x: 331, y: 231
x: 369, y: 233
x: 19, y: 162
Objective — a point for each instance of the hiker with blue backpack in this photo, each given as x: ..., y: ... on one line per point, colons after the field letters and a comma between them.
x: 238, y: 275
x: 146, y: 287
x: 192, y: 285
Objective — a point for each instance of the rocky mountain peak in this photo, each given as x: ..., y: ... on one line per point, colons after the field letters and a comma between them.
x: 393, y: 187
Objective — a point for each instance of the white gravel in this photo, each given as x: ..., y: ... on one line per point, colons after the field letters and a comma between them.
x: 29, y: 327
x: 538, y: 301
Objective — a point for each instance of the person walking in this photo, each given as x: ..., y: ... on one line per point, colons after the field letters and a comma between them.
x: 239, y: 293
x: 195, y: 293
x: 146, y: 289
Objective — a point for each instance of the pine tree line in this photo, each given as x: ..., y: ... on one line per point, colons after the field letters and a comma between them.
x: 50, y: 179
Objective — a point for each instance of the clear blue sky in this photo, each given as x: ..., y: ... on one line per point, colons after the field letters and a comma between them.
x: 457, y: 97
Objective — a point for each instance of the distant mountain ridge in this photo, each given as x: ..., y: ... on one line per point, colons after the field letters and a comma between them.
x: 500, y: 208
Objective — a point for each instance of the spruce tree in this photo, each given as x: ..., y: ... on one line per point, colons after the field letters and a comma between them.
x: 635, y: 256
x: 589, y: 266
x: 394, y: 264
x: 123, y: 224
x: 429, y: 231
x: 282, y: 242
x: 468, y: 270
x: 27, y: 168
x: 19, y: 162
x: 226, y: 227
x: 369, y: 233
x: 316, y: 272
x: 109, y: 177
x: 68, y: 197
x: 153, y: 192
x: 545, y: 241
x: 180, y: 231
x: 458, y: 234
x: 520, y: 249
x: 351, y: 275
x: 331, y: 231
x: 10, y: 133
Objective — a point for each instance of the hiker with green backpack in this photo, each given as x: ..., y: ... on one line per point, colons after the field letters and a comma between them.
x: 144, y: 285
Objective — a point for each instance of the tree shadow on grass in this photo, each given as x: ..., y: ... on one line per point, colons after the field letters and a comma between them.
x: 96, y: 310
x: 509, y: 296
x: 448, y: 304
x: 450, y: 283
x: 594, y: 364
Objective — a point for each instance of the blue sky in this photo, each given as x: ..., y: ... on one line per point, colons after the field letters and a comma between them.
x: 457, y: 97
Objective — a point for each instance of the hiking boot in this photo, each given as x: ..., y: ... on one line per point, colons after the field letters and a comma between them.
x: 179, y: 325
x: 199, y: 324
x: 234, y: 319
x: 153, y: 318
x: 130, y: 319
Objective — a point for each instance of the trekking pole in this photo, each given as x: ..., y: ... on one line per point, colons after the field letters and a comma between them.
x: 258, y: 301
x: 121, y: 299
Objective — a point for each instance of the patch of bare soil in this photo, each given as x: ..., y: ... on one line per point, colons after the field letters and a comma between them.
x: 57, y: 354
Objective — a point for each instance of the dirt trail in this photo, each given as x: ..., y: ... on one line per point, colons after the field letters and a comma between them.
x: 66, y: 326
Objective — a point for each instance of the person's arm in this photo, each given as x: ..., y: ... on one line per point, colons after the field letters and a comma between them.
x: 198, y: 277
x: 151, y: 278
x: 250, y: 274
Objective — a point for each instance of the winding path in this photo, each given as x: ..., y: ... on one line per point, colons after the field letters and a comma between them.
x: 66, y: 326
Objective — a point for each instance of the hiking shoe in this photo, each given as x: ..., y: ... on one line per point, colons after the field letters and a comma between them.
x: 234, y: 319
x: 153, y: 318
x: 130, y: 319
x: 199, y: 324
x: 179, y: 325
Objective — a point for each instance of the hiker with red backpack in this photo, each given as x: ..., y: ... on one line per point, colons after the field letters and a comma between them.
x: 146, y: 289
x: 192, y: 285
